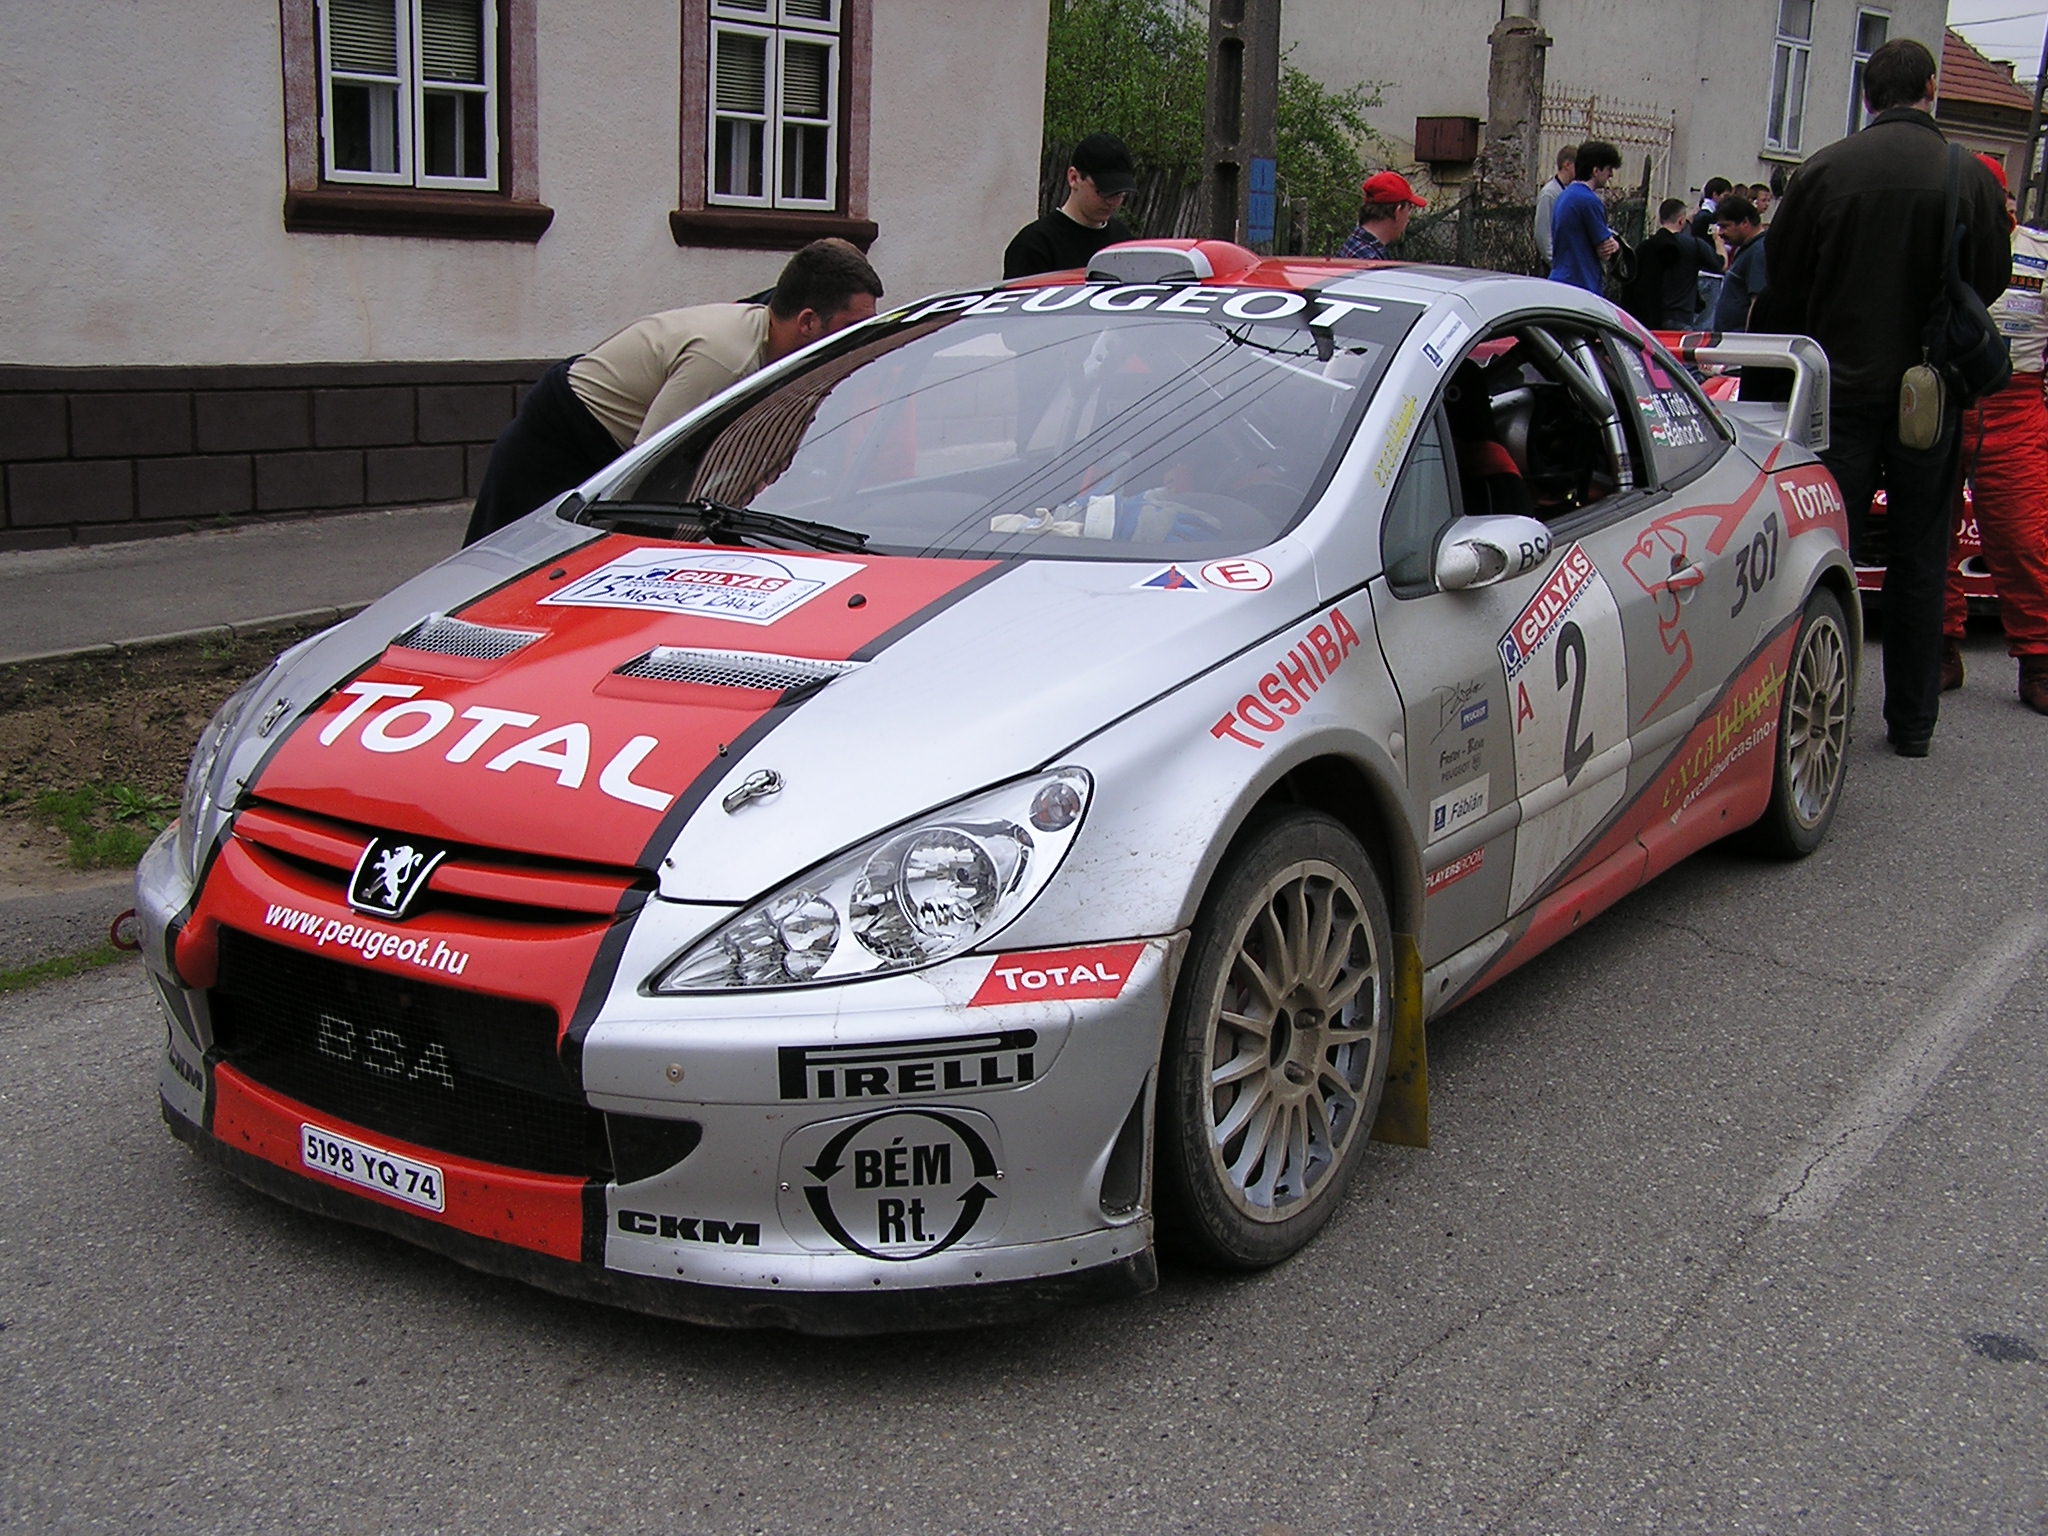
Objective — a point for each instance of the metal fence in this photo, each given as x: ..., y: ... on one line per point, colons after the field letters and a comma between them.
x: 1474, y: 232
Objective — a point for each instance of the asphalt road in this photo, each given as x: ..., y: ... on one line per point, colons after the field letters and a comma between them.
x: 1733, y: 1222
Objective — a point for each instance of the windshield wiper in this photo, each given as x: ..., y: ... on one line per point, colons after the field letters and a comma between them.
x: 718, y: 517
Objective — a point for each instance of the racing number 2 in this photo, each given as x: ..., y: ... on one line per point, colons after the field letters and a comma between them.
x: 1755, y: 564
x: 1571, y: 667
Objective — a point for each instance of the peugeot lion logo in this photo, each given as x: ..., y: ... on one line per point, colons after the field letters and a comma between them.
x: 391, y: 874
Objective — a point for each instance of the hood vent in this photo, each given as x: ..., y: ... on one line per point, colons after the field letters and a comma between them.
x: 458, y: 637
x: 735, y: 669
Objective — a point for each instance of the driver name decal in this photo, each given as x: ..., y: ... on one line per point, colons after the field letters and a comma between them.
x: 711, y: 584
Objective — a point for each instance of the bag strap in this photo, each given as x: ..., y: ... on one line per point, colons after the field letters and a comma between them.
x: 1951, y: 208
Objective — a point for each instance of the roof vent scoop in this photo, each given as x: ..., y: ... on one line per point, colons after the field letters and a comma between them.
x: 1170, y: 261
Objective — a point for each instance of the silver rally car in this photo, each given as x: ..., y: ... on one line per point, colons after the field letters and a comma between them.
x: 1001, y: 790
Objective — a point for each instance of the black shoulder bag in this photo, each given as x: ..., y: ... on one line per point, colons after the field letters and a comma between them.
x: 1962, y: 340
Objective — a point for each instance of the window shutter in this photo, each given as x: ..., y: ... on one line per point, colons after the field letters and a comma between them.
x: 807, y: 10
x: 452, y: 40
x: 805, y: 69
x: 742, y: 73
x: 362, y: 36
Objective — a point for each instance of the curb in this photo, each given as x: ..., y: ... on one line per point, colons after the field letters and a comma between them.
x: 237, y: 630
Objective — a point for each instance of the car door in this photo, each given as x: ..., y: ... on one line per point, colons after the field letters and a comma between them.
x: 1520, y: 696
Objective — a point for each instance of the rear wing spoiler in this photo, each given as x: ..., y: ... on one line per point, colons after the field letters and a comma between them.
x: 1807, y: 414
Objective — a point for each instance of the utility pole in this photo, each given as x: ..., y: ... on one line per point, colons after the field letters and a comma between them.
x: 2028, y: 182
x: 1239, y: 117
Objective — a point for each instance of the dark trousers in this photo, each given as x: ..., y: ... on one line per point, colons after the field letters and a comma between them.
x: 554, y: 443
x: 1918, y: 489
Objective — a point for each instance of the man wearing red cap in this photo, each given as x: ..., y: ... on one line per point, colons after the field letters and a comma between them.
x: 2005, y: 453
x: 1389, y: 203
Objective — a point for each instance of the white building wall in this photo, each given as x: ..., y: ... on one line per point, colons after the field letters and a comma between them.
x: 1707, y: 62
x: 142, y: 183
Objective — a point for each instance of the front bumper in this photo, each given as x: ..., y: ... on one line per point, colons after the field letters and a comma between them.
x: 954, y: 1146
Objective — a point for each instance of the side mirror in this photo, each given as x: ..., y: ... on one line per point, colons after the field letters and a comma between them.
x: 1479, y: 551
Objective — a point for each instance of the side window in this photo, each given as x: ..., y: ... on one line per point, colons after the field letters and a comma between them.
x: 1551, y: 401
x: 1683, y: 434
x: 1420, y: 508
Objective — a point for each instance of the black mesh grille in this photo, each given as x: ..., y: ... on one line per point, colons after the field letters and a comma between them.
x: 472, y: 1076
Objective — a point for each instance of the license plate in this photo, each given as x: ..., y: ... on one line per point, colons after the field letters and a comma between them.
x: 342, y: 1157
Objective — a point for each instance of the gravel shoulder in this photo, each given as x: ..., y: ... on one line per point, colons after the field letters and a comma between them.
x: 125, y: 718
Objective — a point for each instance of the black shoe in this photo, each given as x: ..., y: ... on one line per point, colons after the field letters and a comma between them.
x: 1909, y: 746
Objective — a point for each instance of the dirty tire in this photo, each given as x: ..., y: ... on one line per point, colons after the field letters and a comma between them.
x: 1813, y: 735
x: 1276, y: 1048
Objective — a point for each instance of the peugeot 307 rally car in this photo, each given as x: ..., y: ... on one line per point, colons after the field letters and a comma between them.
x: 1002, y: 788
x: 1969, y: 571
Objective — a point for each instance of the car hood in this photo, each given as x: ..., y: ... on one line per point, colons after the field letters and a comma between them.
x: 602, y: 705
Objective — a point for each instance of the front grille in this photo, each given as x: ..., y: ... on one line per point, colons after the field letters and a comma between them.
x: 509, y: 887
x: 734, y: 669
x: 458, y: 637
x: 472, y: 1076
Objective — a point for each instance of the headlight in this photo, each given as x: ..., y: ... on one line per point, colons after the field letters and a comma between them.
x: 197, y: 806
x: 925, y: 892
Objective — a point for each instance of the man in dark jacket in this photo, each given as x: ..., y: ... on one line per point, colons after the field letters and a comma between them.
x: 1664, y: 294
x: 1856, y: 260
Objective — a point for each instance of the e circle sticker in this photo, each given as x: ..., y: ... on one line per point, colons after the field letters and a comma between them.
x: 1237, y: 575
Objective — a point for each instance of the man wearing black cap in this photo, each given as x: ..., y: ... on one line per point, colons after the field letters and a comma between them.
x: 1099, y: 179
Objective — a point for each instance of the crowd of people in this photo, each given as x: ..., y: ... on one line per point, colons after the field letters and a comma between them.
x: 1849, y: 251
x: 1853, y: 257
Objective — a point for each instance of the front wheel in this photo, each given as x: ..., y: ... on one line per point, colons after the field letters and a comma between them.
x: 1276, y: 1048
x: 1813, y: 734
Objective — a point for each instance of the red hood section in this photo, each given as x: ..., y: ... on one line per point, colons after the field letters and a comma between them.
x: 546, y: 751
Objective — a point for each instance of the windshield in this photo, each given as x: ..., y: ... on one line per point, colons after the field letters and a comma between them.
x: 1087, y: 421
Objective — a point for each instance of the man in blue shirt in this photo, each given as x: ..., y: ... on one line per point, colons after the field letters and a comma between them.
x: 1581, y: 242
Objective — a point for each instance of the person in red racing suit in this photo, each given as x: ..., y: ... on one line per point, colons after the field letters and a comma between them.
x: 2005, y: 446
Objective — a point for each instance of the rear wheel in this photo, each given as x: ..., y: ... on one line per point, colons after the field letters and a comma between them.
x: 1276, y: 1050
x: 1813, y: 734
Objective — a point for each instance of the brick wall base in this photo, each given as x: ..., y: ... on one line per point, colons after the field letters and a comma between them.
x: 95, y: 454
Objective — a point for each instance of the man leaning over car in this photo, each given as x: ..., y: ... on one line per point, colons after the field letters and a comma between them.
x: 587, y: 410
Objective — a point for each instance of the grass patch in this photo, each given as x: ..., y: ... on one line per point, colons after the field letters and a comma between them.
x: 22, y: 977
x: 107, y: 826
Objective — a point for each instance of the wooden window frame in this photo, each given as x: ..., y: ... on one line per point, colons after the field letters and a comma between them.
x: 1858, y: 57
x: 313, y: 204
x: 1796, y: 54
x: 697, y: 221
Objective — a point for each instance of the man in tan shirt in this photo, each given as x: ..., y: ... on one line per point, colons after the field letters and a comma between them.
x: 587, y: 410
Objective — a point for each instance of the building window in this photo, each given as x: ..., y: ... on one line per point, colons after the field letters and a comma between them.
x: 407, y: 92
x: 1872, y: 28
x: 411, y: 117
x: 775, y: 119
x: 774, y: 103
x: 1786, y: 127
